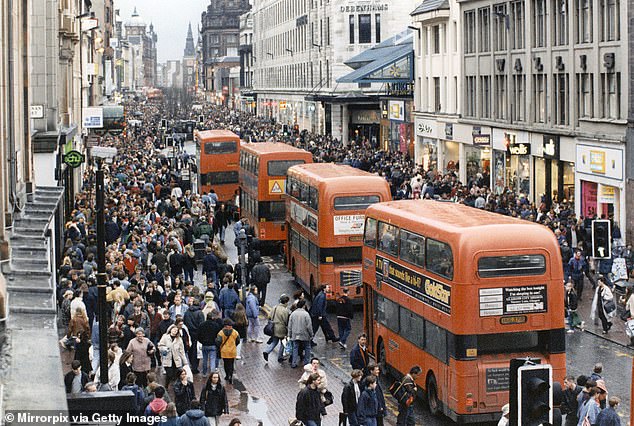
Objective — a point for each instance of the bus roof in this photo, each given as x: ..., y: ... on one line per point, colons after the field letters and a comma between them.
x: 271, y: 147
x: 475, y: 228
x: 328, y: 171
x: 214, y: 134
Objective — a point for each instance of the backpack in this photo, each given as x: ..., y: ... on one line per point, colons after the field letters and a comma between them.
x: 400, y: 393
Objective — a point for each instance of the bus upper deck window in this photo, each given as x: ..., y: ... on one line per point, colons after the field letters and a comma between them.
x: 439, y: 258
x: 369, y: 234
x: 388, y: 238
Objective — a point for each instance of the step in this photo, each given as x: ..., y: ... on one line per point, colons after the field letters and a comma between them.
x: 31, y: 321
x: 29, y: 251
x: 50, y: 189
x: 28, y: 232
x: 28, y: 243
x: 33, y: 302
x: 40, y: 206
x: 28, y: 274
x: 32, y: 222
x: 28, y: 263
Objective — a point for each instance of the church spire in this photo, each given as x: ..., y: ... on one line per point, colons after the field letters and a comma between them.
x: 190, y: 50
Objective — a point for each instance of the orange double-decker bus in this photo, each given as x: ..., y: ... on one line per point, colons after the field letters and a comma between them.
x: 218, y: 154
x: 263, y: 169
x: 325, y: 211
x: 460, y: 292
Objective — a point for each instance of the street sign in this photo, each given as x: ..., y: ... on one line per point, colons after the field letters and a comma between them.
x: 103, y: 151
x: 93, y: 117
x: 73, y: 159
x: 92, y: 140
x: 37, y: 111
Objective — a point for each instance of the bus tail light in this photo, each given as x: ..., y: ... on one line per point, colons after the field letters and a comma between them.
x: 470, y: 404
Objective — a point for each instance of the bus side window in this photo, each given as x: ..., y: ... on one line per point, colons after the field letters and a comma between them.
x: 388, y: 238
x: 313, y: 197
x: 369, y: 234
x: 412, y: 248
x: 439, y: 258
x: 303, y: 192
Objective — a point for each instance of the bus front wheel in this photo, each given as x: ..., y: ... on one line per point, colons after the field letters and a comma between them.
x: 431, y: 392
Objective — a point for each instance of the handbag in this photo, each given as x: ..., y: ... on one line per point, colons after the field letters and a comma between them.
x: 399, y: 392
x: 328, y: 398
x: 269, y: 328
x: 609, y: 306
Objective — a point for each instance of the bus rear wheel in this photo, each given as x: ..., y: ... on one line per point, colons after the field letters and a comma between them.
x: 382, y: 360
x: 431, y: 393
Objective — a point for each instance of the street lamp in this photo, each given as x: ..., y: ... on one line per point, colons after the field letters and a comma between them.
x: 102, y: 153
x: 242, y: 249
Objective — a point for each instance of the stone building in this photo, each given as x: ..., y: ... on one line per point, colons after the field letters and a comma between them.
x: 189, y: 62
x: 142, y: 40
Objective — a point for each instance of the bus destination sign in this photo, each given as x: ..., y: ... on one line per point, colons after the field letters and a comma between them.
x: 513, y: 300
x: 429, y: 291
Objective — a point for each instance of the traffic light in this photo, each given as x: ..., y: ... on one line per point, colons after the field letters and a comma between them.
x: 201, y: 119
x: 601, y: 236
x: 163, y: 123
x: 535, y: 395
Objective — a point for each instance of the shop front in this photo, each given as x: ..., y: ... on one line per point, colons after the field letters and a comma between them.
x: 478, y: 157
x: 426, y: 147
x: 600, y: 175
x: 511, y: 161
x: 365, y: 125
x: 554, y: 171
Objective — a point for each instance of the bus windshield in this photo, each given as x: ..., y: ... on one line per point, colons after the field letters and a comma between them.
x: 220, y: 147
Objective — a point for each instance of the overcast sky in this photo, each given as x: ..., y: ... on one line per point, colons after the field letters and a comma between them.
x: 170, y: 19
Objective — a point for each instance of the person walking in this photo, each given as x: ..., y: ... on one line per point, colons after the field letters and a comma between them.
x: 142, y: 350
x: 240, y: 324
x: 189, y: 263
x: 359, y: 357
x: 183, y: 392
x: 570, y: 405
x: 590, y: 409
x: 207, y: 333
x: 213, y: 399
x: 300, y: 331
x: 350, y: 397
x: 577, y: 266
x: 227, y: 341
x: 345, y: 313
x: 194, y: 416
x: 173, y: 356
x: 603, y: 305
x: 571, y: 305
x: 192, y: 319
x: 260, y: 277
x: 279, y: 317
x: 227, y: 300
x: 368, y: 406
x: 253, y: 311
x: 609, y: 416
x: 406, y: 412
x: 309, y: 407
x: 222, y: 218
x: 210, y: 266
x: 318, y: 315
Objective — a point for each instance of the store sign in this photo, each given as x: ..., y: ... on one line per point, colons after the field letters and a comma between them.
x: 400, y: 89
x: 365, y: 117
x: 282, y: 105
x: 449, y: 131
x: 93, y: 117
x: 519, y: 149
x: 425, y: 128
x: 550, y: 147
x: 396, y: 110
x: 73, y: 159
x: 600, y: 161
x: 364, y: 8
x: 482, y: 140
x: 607, y: 194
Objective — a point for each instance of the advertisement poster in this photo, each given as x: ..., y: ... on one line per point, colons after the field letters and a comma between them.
x: 348, y: 224
x: 588, y: 198
x: 305, y: 218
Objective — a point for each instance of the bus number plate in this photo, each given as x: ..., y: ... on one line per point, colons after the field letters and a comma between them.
x: 515, y: 319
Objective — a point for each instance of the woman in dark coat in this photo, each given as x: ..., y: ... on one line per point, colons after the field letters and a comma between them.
x: 184, y: 392
x: 82, y: 352
x: 213, y: 399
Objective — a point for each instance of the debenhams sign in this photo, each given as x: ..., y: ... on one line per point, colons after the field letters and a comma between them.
x: 364, y: 8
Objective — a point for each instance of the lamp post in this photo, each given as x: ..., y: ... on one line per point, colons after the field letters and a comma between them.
x: 101, y: 154
x: 242, y: 250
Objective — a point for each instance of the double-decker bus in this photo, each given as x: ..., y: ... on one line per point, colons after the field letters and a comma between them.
x: 325, y: 210
x: 460, y: 292
x: 218, y: 155
x: 263, y: 169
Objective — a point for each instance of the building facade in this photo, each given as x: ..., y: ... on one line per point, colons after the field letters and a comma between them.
x: 300, y: 49
x: 189, y: 63
x: 247, y: 99
x: 142, y: 40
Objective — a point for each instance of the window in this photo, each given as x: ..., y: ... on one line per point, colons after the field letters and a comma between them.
x: 437, y: 105
x: 412, y: 248
x: 561, y: 98
x: 415, y: 326
x: 436, y: 341
x: 470, y: 96
x: 357, y: 202
x: 511, y: 266
x: 365, y: 29
x: 313, y: 198
x: 517, y: 27
x: 500, y: 26
x: 560, y: 22
x: 539, y: 23
x: 280, y: 167
x: 351, y: 28
x: 219, y: 178
x: 436, y: 38
x: 377, y: 28
x: 539, y: 96
x: 611, y: 95
x: 469, y: 31
x: 369, y: 232
x: 313, y: 253
x: 387, y: 313
x: 610, y: 17
x: 273, y: 211
x: 585, y: 95
x: 292, y: 187
x: 485, y: 29
x: 584, y: 21
x: 439, y: 258
x: 388, y: 238
x: 220, y: 147
x: 518, y: 103
x: 340, y: 255
x: 500, y: 97
x: 485, y: 96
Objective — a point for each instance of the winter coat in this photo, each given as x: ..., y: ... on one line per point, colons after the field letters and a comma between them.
x: 368, y: 406
x: 139, y: 395
x: 172, y: 350
x: 280, y: 316
x: 300, y: 326
x: 253, y: 309
x: 193, y: 318
x: 318, y: 309
x: 228, y: 299
x: 344, y: 308
x: 260, y: 275
x: 608, y: 417
x: 184, y: 395
x: 227, y: 341
x: 349, y: 397
x: 309, y: 405
x: 208, y: 331
x: 194, y: 418
x: 214, y: 402
x: 141, y: 361
x: 210, y: 264
x: 599, y: 300
x: 359, y: 359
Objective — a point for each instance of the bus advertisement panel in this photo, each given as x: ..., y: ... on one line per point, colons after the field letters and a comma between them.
x: 326, y: 205
x: 460, y: 292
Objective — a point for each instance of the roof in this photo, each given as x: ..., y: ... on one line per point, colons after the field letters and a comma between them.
x: 135, y: 20
x: 208, y: 134
x: 332, y: 171
x: 273, y: 147
x: 430, y: 6
x: 389, y: 61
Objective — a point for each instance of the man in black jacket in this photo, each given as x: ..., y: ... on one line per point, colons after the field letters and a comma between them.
x: 193, y: 318
x: 345, y: 313
x: 350, y: 397
x: 309, y: 407
x: 261, y: 276
x: 207, y: 333
x: 75, y: 380
x: 569, y: 403
x: 375, y: 370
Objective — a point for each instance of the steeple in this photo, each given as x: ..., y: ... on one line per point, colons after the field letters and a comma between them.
x: 190, y: 50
